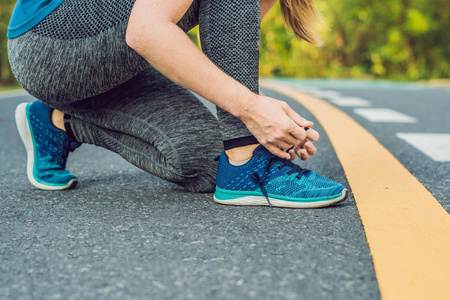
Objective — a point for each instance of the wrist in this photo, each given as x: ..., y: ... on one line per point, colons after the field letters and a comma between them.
x: 245, y: 105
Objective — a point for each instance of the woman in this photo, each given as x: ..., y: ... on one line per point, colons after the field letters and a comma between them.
x: 117, y: 74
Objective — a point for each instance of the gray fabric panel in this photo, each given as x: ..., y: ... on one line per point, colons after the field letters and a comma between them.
x: 229, y: 33
x: 77, y: 19
x: 70, y: 70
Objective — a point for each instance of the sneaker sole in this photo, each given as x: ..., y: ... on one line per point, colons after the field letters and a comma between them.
x: 24, y: 129
x: 262, y: 201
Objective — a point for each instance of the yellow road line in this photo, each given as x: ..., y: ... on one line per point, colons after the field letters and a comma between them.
x: 408, y: 231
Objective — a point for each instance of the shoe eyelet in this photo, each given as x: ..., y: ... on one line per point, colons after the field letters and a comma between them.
x: 258, y: 156
x: 61, y: 134
x: 278, y: 168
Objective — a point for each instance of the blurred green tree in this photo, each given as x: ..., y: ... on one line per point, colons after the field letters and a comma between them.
x: 393, y: 39
x: 389, y: 39
x: 6, y: 76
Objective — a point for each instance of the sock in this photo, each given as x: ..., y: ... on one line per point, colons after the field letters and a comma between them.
x: 238, y: 164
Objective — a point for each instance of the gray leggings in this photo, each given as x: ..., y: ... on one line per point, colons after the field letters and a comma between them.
x: 76, y: 60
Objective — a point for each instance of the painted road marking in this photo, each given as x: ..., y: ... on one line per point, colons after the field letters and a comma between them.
x: 384, y: 115
x: 308, y: 88
x: 435, y: 145
x: 350, y: 101
x: 406, y: 227
x: 324, y: 94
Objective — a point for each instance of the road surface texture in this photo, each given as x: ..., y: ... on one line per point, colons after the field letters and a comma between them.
x: 125, y: 234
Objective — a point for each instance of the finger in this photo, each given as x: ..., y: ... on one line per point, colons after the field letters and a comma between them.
x: 277, y: 151
x: 307, y: 146
x: 303, y: 154
x: 300, y: 145
x: 288, y: 138
x: 297, y: 118
x: 310, y: 148
x: 312, y: 135
x: 292, y: 154
x: 284, y: 146
x: 297, y: 132
x: 298, y: 149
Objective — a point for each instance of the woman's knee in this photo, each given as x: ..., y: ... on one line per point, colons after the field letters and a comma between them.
x: 197, y: 163
x: 202, y: 179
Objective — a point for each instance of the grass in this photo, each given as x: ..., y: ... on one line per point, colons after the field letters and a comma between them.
x: 9, y: 87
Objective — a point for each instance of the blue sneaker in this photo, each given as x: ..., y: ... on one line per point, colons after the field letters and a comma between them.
x: 47, y: 147
x: 272, y: 181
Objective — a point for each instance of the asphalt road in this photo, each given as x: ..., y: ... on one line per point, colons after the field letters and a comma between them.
x: 428, y: 106
x: 124, y: 234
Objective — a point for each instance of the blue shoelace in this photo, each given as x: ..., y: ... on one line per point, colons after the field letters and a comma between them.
x: 286, y: 163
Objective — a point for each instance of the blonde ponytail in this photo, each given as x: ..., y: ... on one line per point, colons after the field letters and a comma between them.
x: 302, y: 16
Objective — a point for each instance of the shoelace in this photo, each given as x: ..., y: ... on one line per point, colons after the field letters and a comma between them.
x: 63, y: 152
x: 286, y: 163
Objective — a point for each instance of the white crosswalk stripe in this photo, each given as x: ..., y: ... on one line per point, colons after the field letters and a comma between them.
x: 384, y: 115
x: 324, y: 94
x: 434, y: 145
x: 350, y: 101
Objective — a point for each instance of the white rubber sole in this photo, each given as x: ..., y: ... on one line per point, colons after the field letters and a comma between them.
x: 262, y: 201
x: 24, y: 131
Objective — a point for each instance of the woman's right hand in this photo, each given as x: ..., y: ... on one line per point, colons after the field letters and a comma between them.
x: 278, y: 127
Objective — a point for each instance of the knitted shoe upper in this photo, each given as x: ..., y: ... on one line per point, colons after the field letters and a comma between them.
x: 278, y: 176
x: 51, y: 145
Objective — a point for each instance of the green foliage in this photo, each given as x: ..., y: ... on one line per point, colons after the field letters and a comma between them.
x: 389, y: 39
x: 393, y: 39
x: 6, y: 76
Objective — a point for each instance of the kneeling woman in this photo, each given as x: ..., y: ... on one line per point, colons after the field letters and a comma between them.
x: 118, y: 74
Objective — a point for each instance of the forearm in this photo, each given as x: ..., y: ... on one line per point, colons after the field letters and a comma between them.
x: 164, y: 45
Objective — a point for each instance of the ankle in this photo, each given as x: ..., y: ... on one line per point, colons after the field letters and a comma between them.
x: 241, y: 153
x: 58, y: 119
